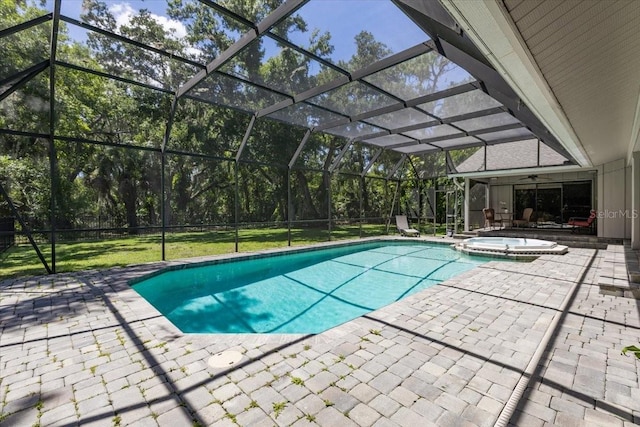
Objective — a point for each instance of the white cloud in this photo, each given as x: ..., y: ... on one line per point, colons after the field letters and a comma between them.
x: 123, y: 12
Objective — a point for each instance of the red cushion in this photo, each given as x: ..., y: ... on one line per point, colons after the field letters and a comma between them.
x: 580, y: 223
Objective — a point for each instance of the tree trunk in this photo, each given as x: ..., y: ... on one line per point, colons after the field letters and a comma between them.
x: 307, y: 210
x: 129, y: 193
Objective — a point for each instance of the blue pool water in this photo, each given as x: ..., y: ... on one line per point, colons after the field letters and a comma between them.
x: 301, y: 292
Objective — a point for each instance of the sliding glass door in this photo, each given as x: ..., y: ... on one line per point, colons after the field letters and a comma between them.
x: 553, y: 203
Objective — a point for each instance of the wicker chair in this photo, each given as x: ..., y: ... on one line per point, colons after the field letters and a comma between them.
x: 490, y: 218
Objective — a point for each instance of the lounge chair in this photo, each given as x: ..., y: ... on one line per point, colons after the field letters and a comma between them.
x: 403, y: 227
x: 526, y: 218
x: 490, y: 218
x: 577, y: 223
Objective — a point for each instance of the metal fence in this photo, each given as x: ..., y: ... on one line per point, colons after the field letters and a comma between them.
x: 7, y: 233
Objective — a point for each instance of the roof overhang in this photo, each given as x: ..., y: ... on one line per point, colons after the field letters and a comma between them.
x: 489, y: 26
x: 635, y: 134
x: 520, y: 172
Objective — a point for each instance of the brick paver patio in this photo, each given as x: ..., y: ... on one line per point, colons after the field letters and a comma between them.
x: 527, y: 344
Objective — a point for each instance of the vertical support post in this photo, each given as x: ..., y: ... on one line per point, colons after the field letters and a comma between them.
x: 329, y: 182
x: 467, y: 187
x: 237, y: 167
x: 361, y: 206
x: 386, y: 197
x: 237, y: 203
x: 434, y: 204
x: 635, y: 200
x: 600, y: 199
x: 485, y: 157
x: 446, y: 213
x: 416, y: 182
x: 163, y: 200
x: 163, y: 163
x: 289, y: 206
x: 393, y: 204
x: 292, y: 161
x: 419, y: 184
x: 53, y: 156
x: 487, y: 196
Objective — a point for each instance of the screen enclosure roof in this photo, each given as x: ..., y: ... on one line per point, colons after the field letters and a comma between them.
x: 395, y: 75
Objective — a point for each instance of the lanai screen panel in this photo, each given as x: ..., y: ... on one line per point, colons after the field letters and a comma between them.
x: 262, y: 194
x: 519, y: 154
x: 470, y: 159
x: 464, y: 103
x: 359, y: 157
x: 124, y: 59
x: 431, y: 164
x: 452, y: 143
x: 272, y: 143
x: 305, y: 115
x: 129, y: 115
x: 319, y: 152
x: 346, y: 27
x: 270, y: 63
x: 25, y: 13
x: 355, y: 130
x: 200, y: 192
x: 29, y: 183
x: 400, y: 119
x: 389, y: 141
x: 423, y: 75
x: 116, y: 191
x: 432, y: 132
x: 386, y: 164
x: 550, y: 157
x: 194, y: 31
x: 207, y: 129
x: 225, y: 90
x: 20, y: 52
x: 353, y: 99
x: 377, y: 201
x: 486, y: 122
x: 417, y: 149
x: 27, y: 108
x: 345, y: 203
x: 509, y: 134
x: 309, y: 207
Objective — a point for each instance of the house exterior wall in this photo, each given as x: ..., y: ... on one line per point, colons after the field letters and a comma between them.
x: 635, y: 199
x: 614, y: 200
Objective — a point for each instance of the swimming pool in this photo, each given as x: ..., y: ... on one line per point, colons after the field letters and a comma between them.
x: 306, y: 291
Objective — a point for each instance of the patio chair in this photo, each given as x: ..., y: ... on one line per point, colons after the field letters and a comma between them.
x: 578, y: 223
x: 403, y: 227
x: 526, y: 218
x: 490, y: 218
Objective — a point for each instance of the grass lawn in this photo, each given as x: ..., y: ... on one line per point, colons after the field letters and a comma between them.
x: 76, y: 256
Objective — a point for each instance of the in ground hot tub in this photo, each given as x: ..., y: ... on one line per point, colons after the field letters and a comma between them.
x: 509, y: 246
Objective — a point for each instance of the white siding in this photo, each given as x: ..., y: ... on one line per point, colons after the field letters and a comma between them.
x: 614, y: 201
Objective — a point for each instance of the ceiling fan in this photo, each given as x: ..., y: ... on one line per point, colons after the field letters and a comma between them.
x: 534, y: 178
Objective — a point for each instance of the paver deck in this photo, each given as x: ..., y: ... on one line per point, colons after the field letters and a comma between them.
x: 527, y: 344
